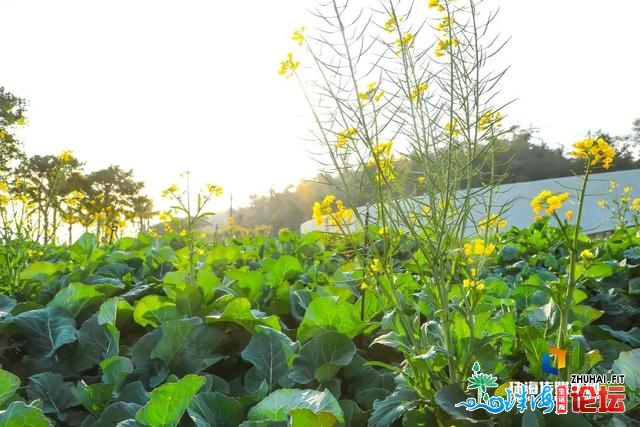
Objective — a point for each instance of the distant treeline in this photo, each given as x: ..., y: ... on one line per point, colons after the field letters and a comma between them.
x: 518, y: 159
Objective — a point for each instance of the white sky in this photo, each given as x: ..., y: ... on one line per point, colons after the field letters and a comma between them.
x: 168, y: 86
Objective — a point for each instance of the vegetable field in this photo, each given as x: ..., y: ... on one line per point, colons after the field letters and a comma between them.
x: 277, y: 331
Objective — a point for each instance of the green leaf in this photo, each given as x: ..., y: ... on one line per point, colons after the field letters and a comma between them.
x: 189, y: 299
x: 147, y: 368
x: 94, y: 397
x: 284, y: 268
x: 632, y: 337
x: 215, y: 410
x: 85, y: 249
x: 6, y: 305
x: 46, y: 330
x: 187, y: 345
x: 41, y: 270
x: 271, y: 353
x: 249, y: 282
x: 532, y: 419
x: 322, y: 357
x: 115, y: 370
x: 75, y: 297
x: 169, y: 401
x: 116, y: 412
x: 19, y: 414
x: 9, y: 383
x: 95, y: 343
x: 326, y: 314
x: 628, y: 364
x: 395, y: 405
x: 353, y: 415
x: 239, y: 311
x: 114, y: 309
x: 634, y: 286
x: 153, y: 310
x: 600, y: 270
x: 447, y: 397
x: 586, y: 314
x: 304, y: 417
x: 278, y: 405
x: 55, y: 394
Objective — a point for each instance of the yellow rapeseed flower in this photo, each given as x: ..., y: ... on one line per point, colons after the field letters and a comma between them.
x: 493, y: 221
x: 405, y: 41
x: 345, y: 136
x: 382, y: 159
x: 443, y: 45
x: 595, y: 151
x: 170, y: 190
x: 628, y: 189
x: 391, y: 24
x: 66, y: 156
x: 569, y: 215
x: 635, y: 204
x: 419, y: 90
x: 488, y: 118
x: 436, y: 4
x: 550, y: 202
x: 288, y: 66
x: 478, y: 248
x: 452, y: 128
x: 474, y: 284
x: 298, y: 37
x: 587, y: 255
x: 337, y: 216
x: 214, y: 189
x: 446, y: 24
x: 376, y: 267
x: 602, y: 203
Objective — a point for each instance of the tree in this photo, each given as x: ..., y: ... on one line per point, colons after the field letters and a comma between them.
x: 48, y: 181
x: 12, y: 110
x: 110, y: 200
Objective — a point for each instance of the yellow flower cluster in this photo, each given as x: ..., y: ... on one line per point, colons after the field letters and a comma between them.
x: 436, y: 3
x: 382, y: 159
x: 473, y: 282
x: 635, y: 204
x: 548, y: 201
x: 443, y: 45
x: 587, y: 255
x: 478, y: 248
x: 66, y: 156
x: 488, y: 118
x: 419, y: 90
x: 446, y: 24
x: 171, y: 190
x: 74, y: 198
x: 332, y: 208
x: 214, y: 189
x: 493, y: 221
x: 298, y: 37
x: 595, y: 151
x: 371, y: 93
x: 392, y: 24
x: 288, y: 66
x: 345, y: 136
x: 452, y: 128
x: 405, y: 41
x: 376, y: 266
x: 4, y: 194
